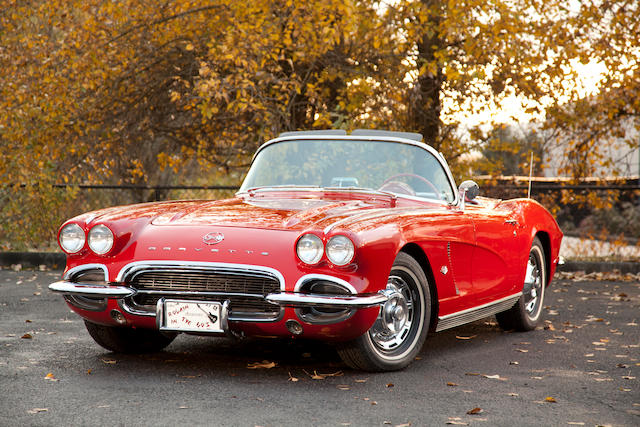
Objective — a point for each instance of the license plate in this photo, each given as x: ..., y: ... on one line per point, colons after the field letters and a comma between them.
x: 191, y: 316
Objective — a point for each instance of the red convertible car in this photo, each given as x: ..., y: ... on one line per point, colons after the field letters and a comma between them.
x: 360, y: 239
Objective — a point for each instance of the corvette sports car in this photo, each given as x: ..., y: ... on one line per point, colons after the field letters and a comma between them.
x: 362, y: 240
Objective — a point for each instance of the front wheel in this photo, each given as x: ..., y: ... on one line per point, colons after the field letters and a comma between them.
x: 525, y: 314
x: 398, y: 333
x: 128, y: 340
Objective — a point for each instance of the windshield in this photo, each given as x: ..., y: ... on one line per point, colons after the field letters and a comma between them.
x: 393, y: 167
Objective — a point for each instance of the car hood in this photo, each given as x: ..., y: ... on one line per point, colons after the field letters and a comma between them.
x: 248, y: 212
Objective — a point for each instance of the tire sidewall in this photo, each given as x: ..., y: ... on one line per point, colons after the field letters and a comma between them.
x: 530, y: 322
x: 406, y: 264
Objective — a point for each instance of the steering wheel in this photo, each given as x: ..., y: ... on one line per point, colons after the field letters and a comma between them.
x: 413, y: 175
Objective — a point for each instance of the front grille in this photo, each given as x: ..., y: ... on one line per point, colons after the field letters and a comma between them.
x: 244, y: 289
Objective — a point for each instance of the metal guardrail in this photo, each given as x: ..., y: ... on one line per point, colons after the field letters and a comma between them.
x: 504, y: 183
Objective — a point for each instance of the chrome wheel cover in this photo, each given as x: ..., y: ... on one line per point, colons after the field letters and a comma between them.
x: 396, y: 318
x: 533, y: 287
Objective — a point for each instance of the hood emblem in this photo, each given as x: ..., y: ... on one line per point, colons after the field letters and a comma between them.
x: 213, y: 238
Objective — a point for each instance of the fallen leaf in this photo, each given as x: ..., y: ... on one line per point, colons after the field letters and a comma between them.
x: 466, y: 338
x: 183, y: 407
x: 292, y: 378
x: 457, y: 423
x: 575, y: 423
x: 472, y: 374
x: 109, y: 361
x: 343, y: 387
x: 362, y: 381
x: 389, y: 385
x: 88, y: 371
x: 317, y: 376
x: 628, y: 377
x: 27, y: 321
x: 522, y: 350
x: 550, y: 399
x: 514, y: 394
x: 265, y: 364
x: 452, y: 384
x: 514, y: 363
x: 50, y: 377
x: 403, y: 425
x: 36, y: 410
x: 495, y: 377
x: 374, y: 403
x: 27, y: 336
x: 475, y: 411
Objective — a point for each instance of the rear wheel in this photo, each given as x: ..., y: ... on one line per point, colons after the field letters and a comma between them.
x: 128, y: 340
x: 398, y: 333
x: 525, y: 314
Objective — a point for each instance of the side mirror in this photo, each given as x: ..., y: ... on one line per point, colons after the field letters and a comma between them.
x: 468, y: 190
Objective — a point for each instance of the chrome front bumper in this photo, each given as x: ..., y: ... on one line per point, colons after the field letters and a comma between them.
x: 283, y: 299
x: 87, y: 290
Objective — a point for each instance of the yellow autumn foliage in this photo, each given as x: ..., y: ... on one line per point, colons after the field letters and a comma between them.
x: 144, y: 92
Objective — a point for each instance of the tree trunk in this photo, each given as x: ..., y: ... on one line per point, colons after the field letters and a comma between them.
x: 424, y: 102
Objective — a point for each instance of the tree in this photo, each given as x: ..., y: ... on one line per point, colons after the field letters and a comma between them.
x: 136, y: 91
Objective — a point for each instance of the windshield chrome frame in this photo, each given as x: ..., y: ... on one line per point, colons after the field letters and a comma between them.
x: 438, y: 156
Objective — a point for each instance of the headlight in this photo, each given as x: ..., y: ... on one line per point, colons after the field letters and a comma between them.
x: 309, y: 249
x: 71, y: 238
x: 340, y: 250
x: 100, y: 239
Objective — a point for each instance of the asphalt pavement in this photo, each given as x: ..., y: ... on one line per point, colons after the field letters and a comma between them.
x: 579, y: 368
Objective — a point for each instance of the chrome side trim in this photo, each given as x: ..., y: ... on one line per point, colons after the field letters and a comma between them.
x: 290, y: 299
x: 311, y: 277
x: 137, y: 266
x: 71, y: 288
x: 75, y: 270
x: 476, y: 313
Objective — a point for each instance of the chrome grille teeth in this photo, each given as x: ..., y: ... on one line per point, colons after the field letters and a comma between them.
x: 245, y: 291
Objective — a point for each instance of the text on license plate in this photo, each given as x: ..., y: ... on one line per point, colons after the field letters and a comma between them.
x: 192, y: 316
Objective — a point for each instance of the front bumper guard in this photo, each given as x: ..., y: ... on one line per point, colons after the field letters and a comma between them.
x: 284, y: 299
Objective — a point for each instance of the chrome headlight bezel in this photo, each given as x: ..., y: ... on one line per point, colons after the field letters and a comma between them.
x: 340, y: 250
x: 309, y: 249
x: 100, y: 239
x: 71, y: 238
